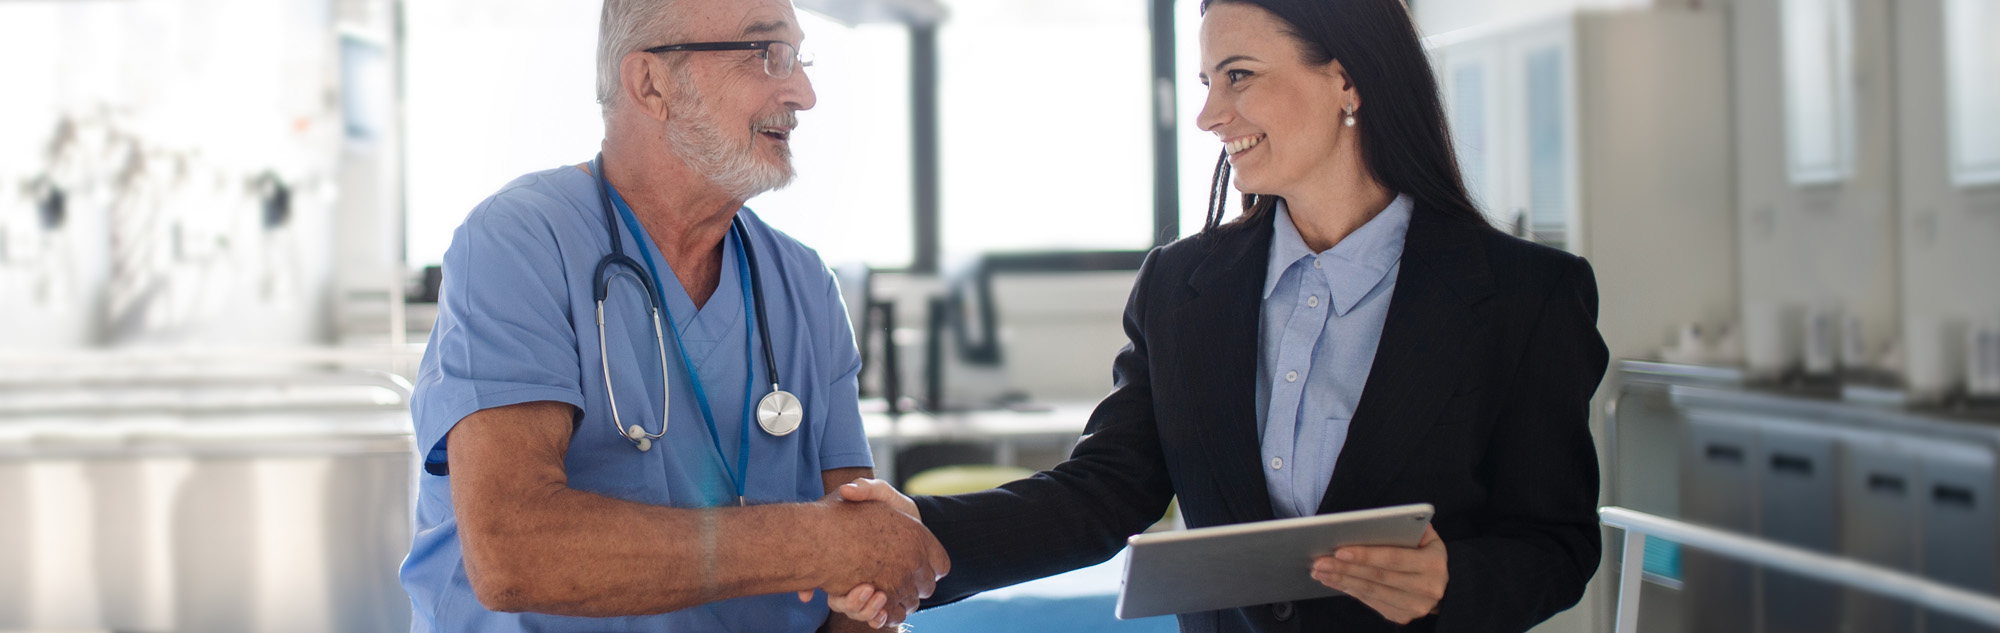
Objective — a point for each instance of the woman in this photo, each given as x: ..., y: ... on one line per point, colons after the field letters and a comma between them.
x: 1359, y: 337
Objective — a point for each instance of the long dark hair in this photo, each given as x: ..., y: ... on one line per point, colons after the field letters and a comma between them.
x: 1404, y: 141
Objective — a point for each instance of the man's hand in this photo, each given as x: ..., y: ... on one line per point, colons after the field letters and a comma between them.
x: 878, y: 490
x: 881, y: 560
x: 863, y: 602
x: 1400, y: 583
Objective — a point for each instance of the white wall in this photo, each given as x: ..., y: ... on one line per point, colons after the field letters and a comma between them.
x: 1658, y: 220
x: 1950, y: 237
x: 1818, y: 244
x: 174, y: 108
x: 1445, y: 16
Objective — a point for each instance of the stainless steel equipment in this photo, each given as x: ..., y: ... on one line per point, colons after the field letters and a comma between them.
x: 1717, y: 484
x: 1906, y: 489
x: 1878, y: 483
x: 1799, y: 506
x: 1959, y: 529
x: 169, y: 498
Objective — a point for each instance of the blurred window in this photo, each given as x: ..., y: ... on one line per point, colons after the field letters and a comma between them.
x: 1044, y: 116
x: 1972, y: 60
x: 1198, y: 150
x: 494, y: 89
x: 851, y: 201
x: 1548, y: 161
x: 1468, y: 122
x: 475, y: 123
x: 1045, y: 131
x: 1819, y: 100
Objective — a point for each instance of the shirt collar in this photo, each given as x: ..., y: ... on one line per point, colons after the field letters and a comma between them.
x: 1354, y: 266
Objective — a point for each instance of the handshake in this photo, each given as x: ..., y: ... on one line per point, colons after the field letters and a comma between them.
x: 886, y: 562
x: 897, y: 563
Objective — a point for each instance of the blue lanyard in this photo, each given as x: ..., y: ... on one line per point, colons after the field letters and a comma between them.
x: 741, y: 473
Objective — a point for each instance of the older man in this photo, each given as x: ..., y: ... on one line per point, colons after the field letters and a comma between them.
x: 593, y: 458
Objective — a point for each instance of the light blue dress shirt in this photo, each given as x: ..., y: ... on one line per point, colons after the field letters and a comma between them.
x: 516, y: 323
x: 1321, y: 322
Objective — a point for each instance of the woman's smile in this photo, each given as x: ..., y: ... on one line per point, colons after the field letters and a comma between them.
x: 1243, y: 144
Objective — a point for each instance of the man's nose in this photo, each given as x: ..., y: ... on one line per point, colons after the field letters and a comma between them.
x: 798, y: 91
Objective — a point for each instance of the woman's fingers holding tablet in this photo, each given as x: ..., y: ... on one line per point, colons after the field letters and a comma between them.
x: 1400, y: 583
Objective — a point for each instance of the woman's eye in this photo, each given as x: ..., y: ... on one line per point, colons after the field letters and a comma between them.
x: 1237, y: 75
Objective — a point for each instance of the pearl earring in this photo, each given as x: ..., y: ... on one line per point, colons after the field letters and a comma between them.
x: 1350, y: 115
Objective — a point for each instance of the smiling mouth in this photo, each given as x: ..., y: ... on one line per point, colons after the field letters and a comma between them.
x: 1241, y: 145
x: 776, y: 133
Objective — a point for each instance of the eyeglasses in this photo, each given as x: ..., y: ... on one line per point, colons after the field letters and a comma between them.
x: 780, y: 58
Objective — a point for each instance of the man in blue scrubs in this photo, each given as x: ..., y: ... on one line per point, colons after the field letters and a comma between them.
x: 536, y: 511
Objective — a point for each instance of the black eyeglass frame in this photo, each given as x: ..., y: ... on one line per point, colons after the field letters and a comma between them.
x: 763, y: 48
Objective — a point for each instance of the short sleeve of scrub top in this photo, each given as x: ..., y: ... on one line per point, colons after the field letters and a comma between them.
x: 504, y: 333
x: 846, y: 443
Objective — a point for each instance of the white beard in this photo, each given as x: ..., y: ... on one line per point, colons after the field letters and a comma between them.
x: 697, y: 139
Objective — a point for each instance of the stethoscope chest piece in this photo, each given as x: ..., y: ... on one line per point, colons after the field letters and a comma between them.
x: 779, y: 413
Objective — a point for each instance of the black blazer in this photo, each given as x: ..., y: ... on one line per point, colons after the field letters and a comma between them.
x: 1477, y: 403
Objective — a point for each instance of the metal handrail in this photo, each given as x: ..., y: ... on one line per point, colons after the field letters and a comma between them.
x: 1834, y: 569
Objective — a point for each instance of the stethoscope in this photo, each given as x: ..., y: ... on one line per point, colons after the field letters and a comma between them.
x: 779, y: 412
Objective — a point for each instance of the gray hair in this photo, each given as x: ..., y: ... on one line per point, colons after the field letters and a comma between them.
x: 625, y: 27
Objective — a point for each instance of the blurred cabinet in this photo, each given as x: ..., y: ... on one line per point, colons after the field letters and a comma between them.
x: 1961, y: 539
x: 1905, y: 490
x: 1510, y: 95
x: 1799, y: 487
x: 1891, y: 498
x: 1606, y: 133
x: 1879, y: 480
x: 1718, y: 489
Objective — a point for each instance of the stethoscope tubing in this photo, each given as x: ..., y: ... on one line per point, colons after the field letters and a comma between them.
x: 757, y: 299
x: 784, y: 409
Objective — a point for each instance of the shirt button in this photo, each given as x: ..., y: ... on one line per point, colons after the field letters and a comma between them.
x: 1277, y: 463
x: 1291, y: 376
x: 1315, y: 262
x: 1312, y: 301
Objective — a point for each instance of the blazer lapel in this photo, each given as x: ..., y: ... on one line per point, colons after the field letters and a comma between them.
x: 1218, y: 327
x: 1417, y: 366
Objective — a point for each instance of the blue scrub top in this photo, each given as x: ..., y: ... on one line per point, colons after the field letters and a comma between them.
x: 516, y: 323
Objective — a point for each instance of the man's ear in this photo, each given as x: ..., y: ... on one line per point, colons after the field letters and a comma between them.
x: 645, y: 80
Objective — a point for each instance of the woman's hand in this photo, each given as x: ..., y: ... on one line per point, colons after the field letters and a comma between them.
x: 863, y: 604
x: 1400, y: 583
x: 864, y: 608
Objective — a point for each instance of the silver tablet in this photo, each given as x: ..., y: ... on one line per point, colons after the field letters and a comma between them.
x: 1246, y: 564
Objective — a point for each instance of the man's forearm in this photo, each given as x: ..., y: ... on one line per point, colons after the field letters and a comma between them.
x: 532, y: 543
x: 577, y: 553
